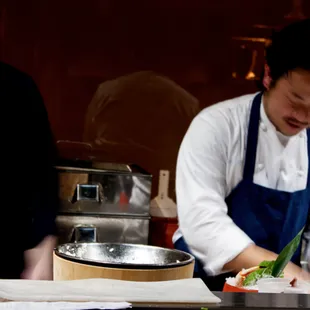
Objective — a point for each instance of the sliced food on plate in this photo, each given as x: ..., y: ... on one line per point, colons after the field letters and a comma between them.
x: 269, y: 275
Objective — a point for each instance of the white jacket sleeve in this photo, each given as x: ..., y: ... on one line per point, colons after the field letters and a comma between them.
x: 209, y: 232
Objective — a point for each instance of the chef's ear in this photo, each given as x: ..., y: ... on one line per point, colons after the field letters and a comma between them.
x: 267, y: 80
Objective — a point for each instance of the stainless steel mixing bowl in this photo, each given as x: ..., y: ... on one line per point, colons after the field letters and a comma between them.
x: 130, y: 256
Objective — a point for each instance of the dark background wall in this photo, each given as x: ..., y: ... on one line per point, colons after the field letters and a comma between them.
x: 69, y: 47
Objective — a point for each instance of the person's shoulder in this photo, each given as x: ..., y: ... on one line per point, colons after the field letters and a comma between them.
x: 222, y: 120
x: 10, y: 74
x: 228, y: 108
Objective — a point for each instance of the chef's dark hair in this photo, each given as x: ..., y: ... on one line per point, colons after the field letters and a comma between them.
x: 289, y: 50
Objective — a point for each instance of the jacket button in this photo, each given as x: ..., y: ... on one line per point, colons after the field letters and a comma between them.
x: 260, y: 167
x: 300, y: 173
x: 264, y: 127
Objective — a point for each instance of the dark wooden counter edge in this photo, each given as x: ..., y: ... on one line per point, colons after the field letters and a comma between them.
x: 241, y: 301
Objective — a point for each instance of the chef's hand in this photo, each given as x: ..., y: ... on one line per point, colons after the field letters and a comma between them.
x: 254, y: 255
x: 293, y: 271
x: 39, y: 261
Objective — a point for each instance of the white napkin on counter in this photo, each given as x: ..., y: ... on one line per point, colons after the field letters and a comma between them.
x: 106, y: 290
x: 19, y: 305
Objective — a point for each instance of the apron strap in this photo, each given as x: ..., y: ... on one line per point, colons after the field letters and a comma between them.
x: 252, y: 139
x: 308, y: 142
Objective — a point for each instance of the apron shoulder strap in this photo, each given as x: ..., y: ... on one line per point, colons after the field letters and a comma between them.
x: 308, y: 148
x: 252, y: 139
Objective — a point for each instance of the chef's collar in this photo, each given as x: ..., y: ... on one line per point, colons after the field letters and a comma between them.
x: 264, y: 120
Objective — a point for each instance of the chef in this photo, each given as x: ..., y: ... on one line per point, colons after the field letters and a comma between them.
x: 243, y: 187
x: 29, y: 197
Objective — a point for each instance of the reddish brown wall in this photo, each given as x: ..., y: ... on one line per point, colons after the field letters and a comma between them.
x: 71, y: 46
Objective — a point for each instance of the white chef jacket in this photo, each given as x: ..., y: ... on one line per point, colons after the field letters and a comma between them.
x: 210, y: 165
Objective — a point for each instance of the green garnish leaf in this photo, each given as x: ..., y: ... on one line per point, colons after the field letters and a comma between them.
x: 264, y: 272
x: 252, y: 278
x: 286, y: 255
x: 266, y: 263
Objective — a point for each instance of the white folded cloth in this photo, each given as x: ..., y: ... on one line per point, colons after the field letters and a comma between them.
x: 20, y: 305
x: 106, y: 290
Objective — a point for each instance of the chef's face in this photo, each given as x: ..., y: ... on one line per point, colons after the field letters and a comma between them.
x: 287, y: 103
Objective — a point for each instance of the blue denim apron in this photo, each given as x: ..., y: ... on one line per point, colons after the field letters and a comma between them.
x: 271, y: 218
